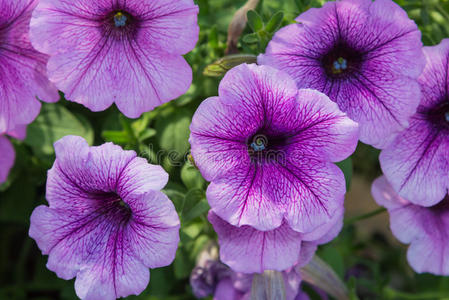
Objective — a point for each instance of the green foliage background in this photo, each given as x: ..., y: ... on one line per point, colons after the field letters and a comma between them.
x: 379, y: 269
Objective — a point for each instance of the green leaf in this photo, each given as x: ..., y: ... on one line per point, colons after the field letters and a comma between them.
x: 251, y: 38
x: 352, y: 286
x: 182, y: 264
x: 173, y: 132
x: 176, y: 193
x: 146, y: 134
x: 334, y: 259
x: 195, y: 204
x: 346, y: 167
x: 254, y: 20
x: 275, y: 22
x: 302, y: 4
x: 199, y: 209
x: 191, y: 177
x: 53, y: 123
x: 213, y: 40
x: 16, y: 203
x: 116, y: 137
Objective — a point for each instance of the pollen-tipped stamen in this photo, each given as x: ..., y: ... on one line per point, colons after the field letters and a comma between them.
x: 120, y: 19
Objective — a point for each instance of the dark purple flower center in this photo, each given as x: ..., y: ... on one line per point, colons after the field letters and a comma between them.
x: 341, y: 61
x: 120, y: 22
x: 110, y: 203
x: 439, y: 115
x: 265, y: 148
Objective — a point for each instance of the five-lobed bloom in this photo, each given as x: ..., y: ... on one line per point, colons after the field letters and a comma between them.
x: 108, y: 221
x: 365, y: 55
x: 268, y: 150
x: 127, y: 52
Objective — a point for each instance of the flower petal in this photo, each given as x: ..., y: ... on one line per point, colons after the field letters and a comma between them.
x: 148, y: 78
x: 267, y: 95
x: 246, y: 197
x: 168, y: 25
x: 382, y: 93
x: 424, y: 228
x: 416, y: 163
x: 261, y: 196
x: 434, y: 80
x: 81, y: 172
x: 140, y: 177
x: 249, y: 250
x: 322, y: 130
x: 22, y: 75
x: 218, y: 138
x: 226, y: 291
x: 154, y: 230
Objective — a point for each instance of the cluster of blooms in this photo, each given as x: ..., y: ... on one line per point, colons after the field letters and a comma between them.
x: 350, y: 70
x: 96, y: 52
x: 416, y: 168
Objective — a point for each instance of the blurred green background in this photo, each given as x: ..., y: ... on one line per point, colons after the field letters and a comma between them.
x: 365, y: 255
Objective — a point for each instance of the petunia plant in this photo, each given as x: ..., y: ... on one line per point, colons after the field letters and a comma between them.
x: 225, y: 150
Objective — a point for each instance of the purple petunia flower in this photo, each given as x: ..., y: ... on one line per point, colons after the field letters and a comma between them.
x: 267, y: 149
x: 8, y: 155
x: 22, y: 72
x: 249, y: 250
x: 108, y: 221
x: 417, y: 162
x: 127, y: 52
x: 426, y: 229
x: 365, y: 55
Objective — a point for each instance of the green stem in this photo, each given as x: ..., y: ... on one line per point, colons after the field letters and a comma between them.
x: 393, y: 294
x: 365, y: 216
x: 20, y: 265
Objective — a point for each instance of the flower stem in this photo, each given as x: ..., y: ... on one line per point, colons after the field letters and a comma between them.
x: 365, y: 216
